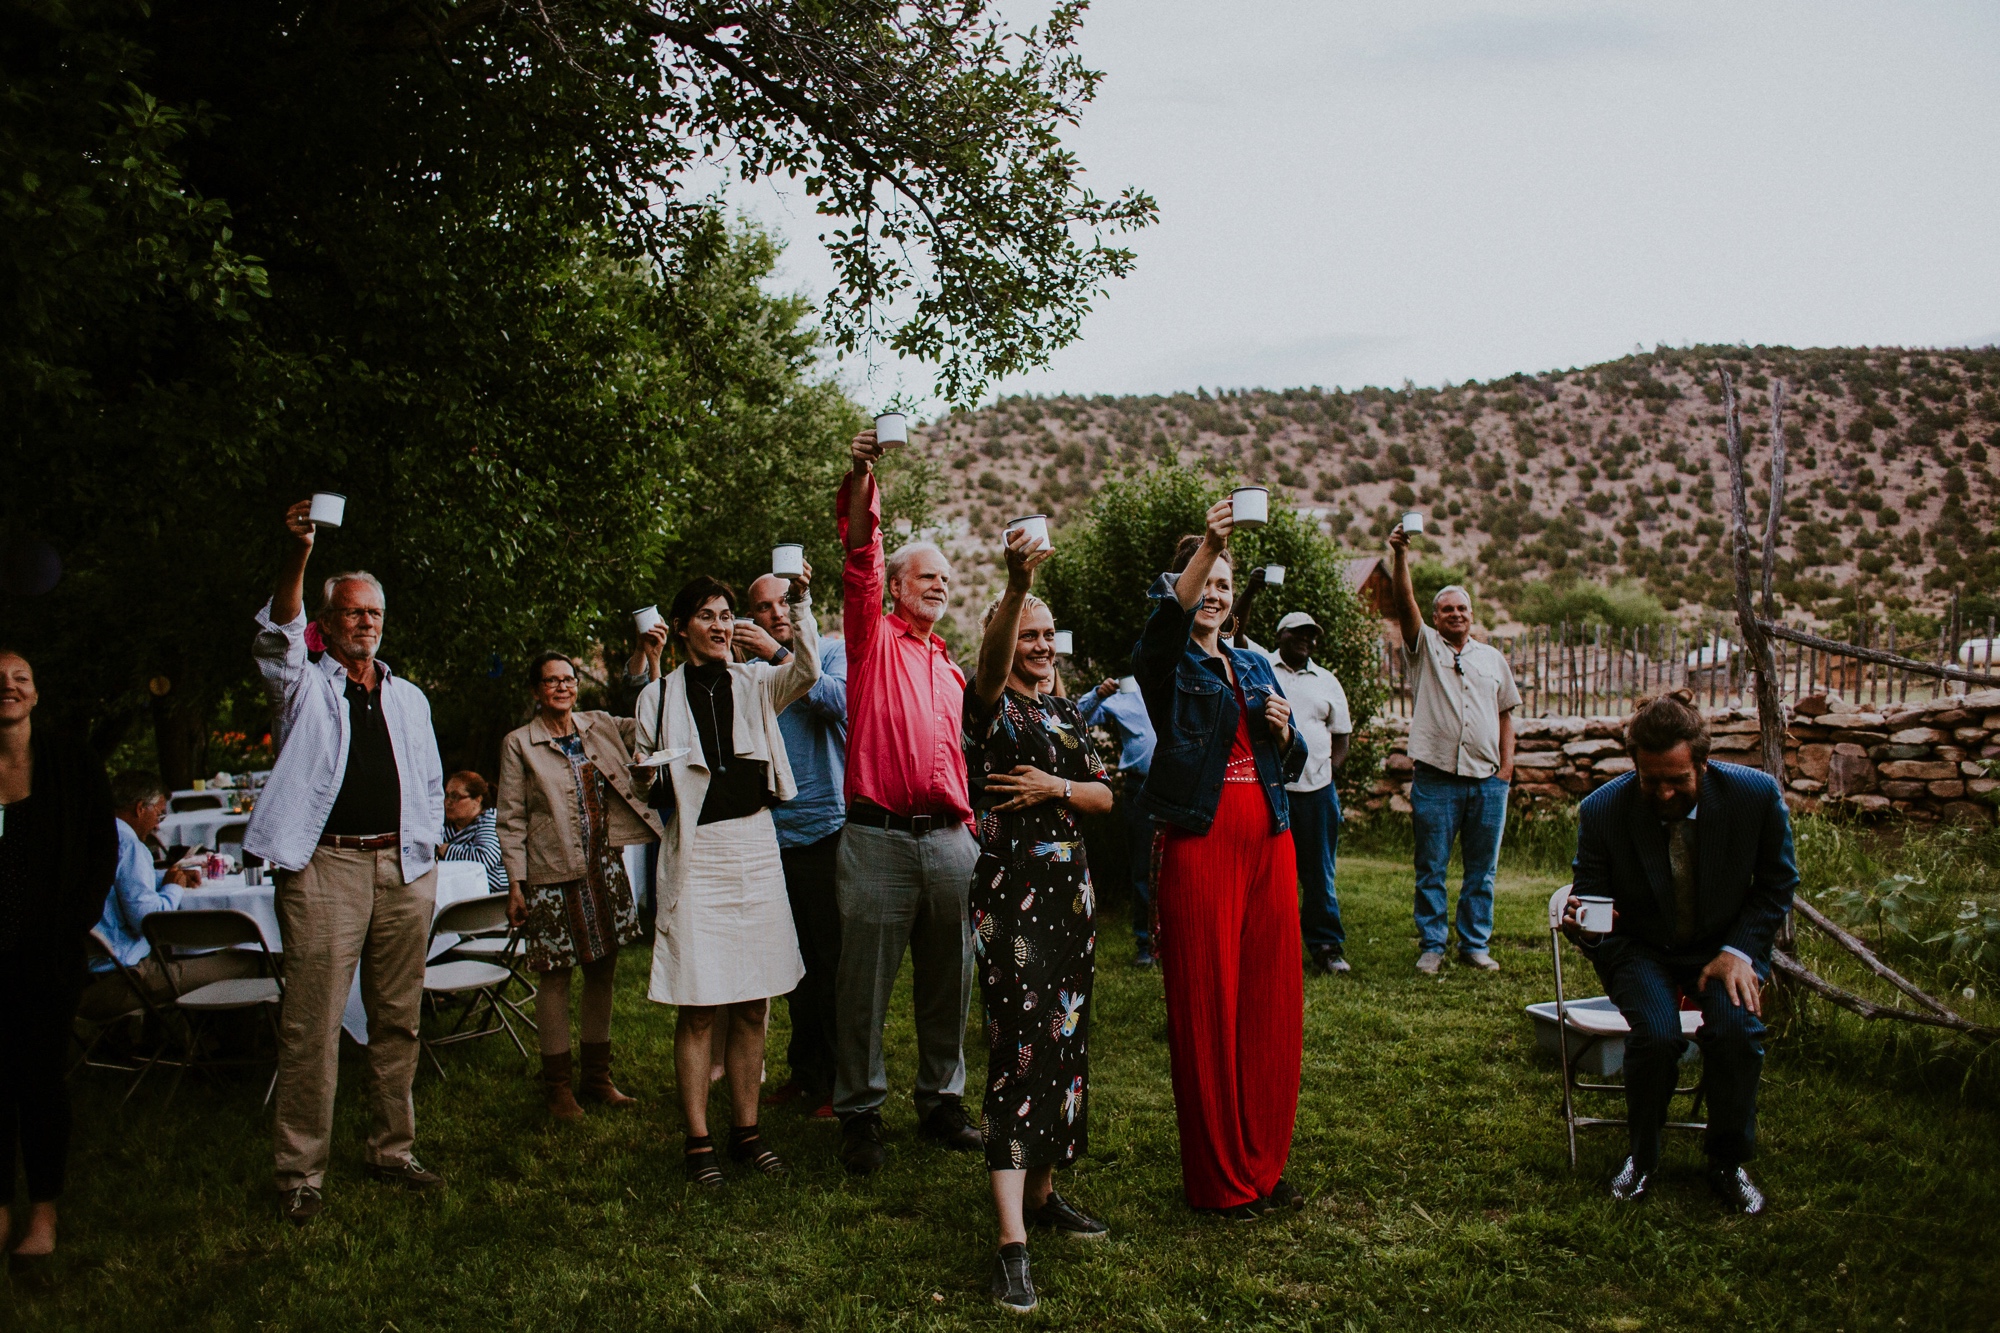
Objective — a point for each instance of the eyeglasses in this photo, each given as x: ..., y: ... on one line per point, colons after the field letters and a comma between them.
x: 460, y: 796
x: 558, y: 682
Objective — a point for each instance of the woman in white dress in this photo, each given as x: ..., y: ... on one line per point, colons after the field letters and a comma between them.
x: 724, y: 942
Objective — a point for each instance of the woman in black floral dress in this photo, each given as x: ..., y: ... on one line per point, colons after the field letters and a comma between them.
x: 1033, y: 770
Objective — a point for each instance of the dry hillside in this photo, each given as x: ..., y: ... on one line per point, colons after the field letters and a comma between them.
x: 1613, y: 473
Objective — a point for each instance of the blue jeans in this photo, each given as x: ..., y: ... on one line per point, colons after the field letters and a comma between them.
x: 1316, y: 844
x: 1139, y: 857
x: 1647, y: 987
x: 1472, y: 812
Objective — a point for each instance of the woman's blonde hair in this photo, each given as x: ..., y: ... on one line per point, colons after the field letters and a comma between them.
x: 1028, y: 603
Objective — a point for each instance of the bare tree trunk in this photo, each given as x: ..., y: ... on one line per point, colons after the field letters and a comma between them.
x: 1770, y: 713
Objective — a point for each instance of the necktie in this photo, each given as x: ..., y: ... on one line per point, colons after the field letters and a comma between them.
x: 1680, y: 860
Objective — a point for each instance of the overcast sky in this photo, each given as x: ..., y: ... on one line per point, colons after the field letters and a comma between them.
x: 1363, y: 193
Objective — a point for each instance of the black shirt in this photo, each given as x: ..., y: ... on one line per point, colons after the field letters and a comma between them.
x: 26, y: 894
x: 371, y: 792
x: 736, y: 787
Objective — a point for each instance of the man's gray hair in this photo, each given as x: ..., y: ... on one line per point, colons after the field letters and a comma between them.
x: 1450, y: 587
x: 899, y: 559
x: 351, y: 576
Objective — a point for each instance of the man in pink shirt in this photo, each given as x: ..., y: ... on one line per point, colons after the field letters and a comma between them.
x: 907, y: 853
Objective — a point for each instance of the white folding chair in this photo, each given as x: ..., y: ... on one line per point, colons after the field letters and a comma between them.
x: 1589, y: 1024
x: 175, y: 933
x: 502, y: 948
x: 479, y: 986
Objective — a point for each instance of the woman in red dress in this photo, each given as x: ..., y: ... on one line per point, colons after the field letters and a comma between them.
x: 1226, y: 886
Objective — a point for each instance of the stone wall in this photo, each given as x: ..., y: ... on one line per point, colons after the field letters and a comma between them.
x: 1927, y: 762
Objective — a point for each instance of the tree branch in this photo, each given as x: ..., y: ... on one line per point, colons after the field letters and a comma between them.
x: 1868, y: 1009
x: 1867, y: 955
x: 1839, y: 649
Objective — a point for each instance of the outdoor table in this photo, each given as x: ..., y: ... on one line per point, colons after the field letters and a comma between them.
x: 196, y: 828
x: 456, y: 881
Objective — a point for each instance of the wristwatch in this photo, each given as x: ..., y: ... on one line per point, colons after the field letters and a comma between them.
x: 1065, y: 791
x: 777, y: 658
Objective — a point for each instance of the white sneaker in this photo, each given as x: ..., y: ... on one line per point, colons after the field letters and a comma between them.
x: 1480, y: 959
x: 1429, y: 961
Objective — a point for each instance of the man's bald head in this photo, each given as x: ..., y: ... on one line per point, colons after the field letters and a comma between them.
x: 767, y: 606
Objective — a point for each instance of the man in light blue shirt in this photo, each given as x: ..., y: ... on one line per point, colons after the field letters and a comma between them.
x: 137, y: 891
x: 1121, y: 711
x: 809, y: 826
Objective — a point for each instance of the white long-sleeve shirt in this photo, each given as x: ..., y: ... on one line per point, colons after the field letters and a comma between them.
x: 312, y: 730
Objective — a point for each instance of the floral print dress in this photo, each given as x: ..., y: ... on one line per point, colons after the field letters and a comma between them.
x: 582, y: 920
x: 1034, y: 914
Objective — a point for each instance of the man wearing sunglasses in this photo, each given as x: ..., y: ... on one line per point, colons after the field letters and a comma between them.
x: 1462, y: 743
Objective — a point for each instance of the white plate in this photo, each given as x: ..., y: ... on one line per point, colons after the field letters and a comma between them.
x: 661, y: 758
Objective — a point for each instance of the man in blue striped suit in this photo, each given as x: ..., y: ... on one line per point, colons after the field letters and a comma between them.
x: 1697, y: 858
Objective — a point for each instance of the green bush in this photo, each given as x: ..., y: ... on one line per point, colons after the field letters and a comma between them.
x: 1623, y: 605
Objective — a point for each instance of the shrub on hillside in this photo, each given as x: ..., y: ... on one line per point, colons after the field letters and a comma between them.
x: 1623, y: 605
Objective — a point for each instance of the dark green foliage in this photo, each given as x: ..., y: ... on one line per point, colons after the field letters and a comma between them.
x: 1621, y: 606
x: 444, y: 259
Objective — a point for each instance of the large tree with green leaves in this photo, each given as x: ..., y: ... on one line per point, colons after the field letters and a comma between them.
x: 444, y: 257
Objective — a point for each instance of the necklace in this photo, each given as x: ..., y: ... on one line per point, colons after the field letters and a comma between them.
x: 720, y: 760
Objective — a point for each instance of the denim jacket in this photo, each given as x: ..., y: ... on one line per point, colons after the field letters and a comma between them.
x: 1193, y: 710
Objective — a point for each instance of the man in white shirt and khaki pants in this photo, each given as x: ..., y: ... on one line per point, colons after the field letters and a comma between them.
x: 350, y: 820
x: 1462, y: 742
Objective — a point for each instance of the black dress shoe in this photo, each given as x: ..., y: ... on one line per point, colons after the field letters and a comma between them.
x: 861, y: 1150
x: 947, y: 1125
x: 1631, y: 1185
x: 1059, y: 1214
x: 1732, y: 1185
x: 409, y: 1173
x: 1284, y: 1197
x: 303, y: 1204
x: 1013, y: 1287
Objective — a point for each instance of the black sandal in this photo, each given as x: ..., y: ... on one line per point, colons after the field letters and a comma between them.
x: 746, y: 1146
x: 700, y: 1162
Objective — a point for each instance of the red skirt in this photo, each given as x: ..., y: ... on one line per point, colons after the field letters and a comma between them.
x: 1229, y: 946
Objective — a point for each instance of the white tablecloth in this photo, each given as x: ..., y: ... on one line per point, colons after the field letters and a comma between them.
x: 456, y: 881
x: 196, y: 828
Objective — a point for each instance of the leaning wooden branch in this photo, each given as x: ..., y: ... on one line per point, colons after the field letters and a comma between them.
x: 1770, y: 713
x: 1910, y: 664
x: 1860, y: 950
x: 1777, y: 506
x: 1848, y: 1000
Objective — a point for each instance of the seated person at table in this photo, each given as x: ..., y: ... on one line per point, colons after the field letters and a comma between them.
x: 471, y: 832
x: 138, y: 890
x: 1697, y: 858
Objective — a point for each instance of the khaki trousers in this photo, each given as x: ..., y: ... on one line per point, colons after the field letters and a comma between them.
x: 107, y: 996
x: 348, y: 909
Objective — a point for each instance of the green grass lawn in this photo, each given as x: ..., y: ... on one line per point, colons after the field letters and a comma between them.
x: 1427, y: 1137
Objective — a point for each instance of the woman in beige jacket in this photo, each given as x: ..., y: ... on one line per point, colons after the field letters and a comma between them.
x: 567, y: 806
x: 724, y: 941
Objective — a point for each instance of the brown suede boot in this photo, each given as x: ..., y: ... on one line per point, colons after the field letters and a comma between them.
x: 555, y: 1083
x: 597, y: 1085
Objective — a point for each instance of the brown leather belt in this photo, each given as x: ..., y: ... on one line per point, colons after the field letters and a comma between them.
x: 374, y: 842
